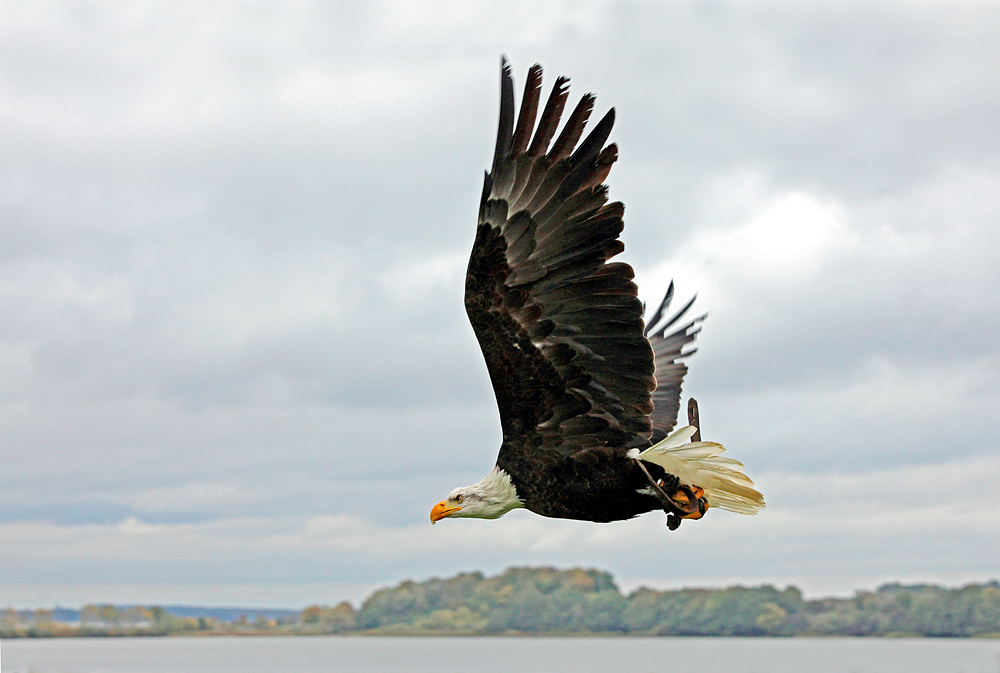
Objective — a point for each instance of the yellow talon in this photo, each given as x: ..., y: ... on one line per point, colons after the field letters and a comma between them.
x: 702, y: 506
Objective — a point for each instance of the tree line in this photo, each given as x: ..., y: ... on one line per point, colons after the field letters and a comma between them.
x: 546, y: 600
x: 550, y: 601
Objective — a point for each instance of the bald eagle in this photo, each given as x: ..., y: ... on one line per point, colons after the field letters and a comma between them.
x: 588, y: 394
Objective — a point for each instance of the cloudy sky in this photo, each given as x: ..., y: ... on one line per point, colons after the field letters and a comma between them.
x: 234, y: 362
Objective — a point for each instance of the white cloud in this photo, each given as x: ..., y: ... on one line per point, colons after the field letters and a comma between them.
x: 420, y: 279
x: 785, y: 243
x: 815, y: 526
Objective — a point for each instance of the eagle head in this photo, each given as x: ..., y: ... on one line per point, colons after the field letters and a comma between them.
x: 490, y: 498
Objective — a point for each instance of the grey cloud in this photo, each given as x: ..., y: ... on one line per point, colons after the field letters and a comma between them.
x: 233, y: 239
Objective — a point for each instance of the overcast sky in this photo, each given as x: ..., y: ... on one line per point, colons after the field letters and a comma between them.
x: 234, y: 362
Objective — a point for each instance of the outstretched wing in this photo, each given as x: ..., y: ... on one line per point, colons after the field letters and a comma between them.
x: 560, y: 328
x: 668, y: 351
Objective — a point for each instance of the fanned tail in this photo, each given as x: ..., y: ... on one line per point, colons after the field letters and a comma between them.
x: 702, y: 464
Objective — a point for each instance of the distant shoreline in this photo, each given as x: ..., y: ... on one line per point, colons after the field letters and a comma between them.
x: 546, y: 602
x: 377, y: 634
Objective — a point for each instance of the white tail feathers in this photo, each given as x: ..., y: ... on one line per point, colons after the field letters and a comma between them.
x: 702, y: 464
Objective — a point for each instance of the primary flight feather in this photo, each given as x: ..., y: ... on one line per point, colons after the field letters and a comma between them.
x: 588, y: 393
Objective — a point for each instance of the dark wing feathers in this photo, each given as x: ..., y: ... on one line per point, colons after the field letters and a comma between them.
x: 668, y: 351
x: 658, y: 315
x: 550, y: 118
x: 505, y: 129
x: 573, y: 129
x: 560, y: 328
x: 529, y: 108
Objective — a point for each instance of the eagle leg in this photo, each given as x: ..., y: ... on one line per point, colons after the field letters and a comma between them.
x: 693, y: 503
x: 674, y: 521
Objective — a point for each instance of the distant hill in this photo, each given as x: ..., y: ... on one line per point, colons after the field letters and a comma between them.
x: 551, y: 601
x: 546, y: 600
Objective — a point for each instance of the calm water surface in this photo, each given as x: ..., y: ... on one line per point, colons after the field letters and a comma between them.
x: 498, y: 655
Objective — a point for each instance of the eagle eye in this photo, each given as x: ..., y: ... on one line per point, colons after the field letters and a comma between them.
x: 459, y: 498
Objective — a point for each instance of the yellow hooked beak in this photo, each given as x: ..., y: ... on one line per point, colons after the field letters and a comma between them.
x: 441, y: 510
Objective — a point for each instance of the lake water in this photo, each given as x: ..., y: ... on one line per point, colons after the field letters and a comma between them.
x: 498, y: 655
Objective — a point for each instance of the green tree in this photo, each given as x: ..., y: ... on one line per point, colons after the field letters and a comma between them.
x: 10, y: 624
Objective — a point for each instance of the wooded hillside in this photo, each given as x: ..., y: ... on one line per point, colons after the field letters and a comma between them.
x: 549, y: 601
x: 545, y: 600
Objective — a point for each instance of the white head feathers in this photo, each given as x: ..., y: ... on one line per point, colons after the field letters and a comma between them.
x: 490, y: 498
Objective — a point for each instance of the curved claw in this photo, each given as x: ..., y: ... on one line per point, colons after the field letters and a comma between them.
x: 688, y: 509
x: 674, y: 521
x: 693, y: 499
